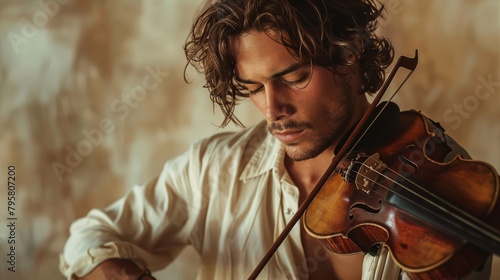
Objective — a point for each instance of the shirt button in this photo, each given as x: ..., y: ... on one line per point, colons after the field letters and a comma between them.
x: 288, y: 211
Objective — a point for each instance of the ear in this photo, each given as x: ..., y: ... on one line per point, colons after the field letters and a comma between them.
x: 358, y: 44
x: 354, y: 48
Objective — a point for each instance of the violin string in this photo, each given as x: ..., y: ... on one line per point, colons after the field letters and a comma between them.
x: 467, y: 219
x: 453, y: 207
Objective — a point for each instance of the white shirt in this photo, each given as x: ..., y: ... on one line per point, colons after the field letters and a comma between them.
x: 228, y: 196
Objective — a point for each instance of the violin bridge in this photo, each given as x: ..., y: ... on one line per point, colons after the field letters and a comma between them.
x: 369, y: 172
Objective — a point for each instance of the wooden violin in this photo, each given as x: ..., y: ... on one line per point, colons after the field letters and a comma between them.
x: 438, y: 219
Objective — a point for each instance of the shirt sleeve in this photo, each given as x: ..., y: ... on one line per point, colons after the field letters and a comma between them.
x: 150, y: 225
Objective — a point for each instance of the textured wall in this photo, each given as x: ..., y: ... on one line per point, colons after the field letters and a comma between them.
x: 81, y: 126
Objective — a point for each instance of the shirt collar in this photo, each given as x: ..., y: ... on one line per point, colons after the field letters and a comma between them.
x: 265, y: 153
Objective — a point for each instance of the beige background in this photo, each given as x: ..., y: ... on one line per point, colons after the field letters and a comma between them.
x: 72, y: 68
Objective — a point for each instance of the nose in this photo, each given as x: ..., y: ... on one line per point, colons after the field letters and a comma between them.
x: 278, y: 104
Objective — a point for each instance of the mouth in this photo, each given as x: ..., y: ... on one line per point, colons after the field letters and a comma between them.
x: 288, y: 136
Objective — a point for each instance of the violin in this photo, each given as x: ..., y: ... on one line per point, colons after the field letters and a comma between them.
x: 438, y: 219
x: 389, y: 185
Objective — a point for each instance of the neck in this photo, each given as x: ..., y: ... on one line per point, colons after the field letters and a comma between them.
x: 305, y: 174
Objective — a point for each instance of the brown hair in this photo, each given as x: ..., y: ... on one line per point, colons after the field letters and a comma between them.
x: 319, y: 31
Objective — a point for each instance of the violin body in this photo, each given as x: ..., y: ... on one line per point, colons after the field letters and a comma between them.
x: 438, y: 219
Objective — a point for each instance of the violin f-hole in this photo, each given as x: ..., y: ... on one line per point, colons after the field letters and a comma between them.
x: 364, y: 207
x: 405, y: 157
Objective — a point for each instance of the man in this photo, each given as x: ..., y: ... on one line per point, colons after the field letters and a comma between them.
x: 307, y: 66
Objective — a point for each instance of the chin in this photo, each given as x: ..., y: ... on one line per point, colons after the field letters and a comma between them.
x: 298, y: 153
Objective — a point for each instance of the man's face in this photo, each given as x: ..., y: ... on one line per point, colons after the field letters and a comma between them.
x: 307, y: 107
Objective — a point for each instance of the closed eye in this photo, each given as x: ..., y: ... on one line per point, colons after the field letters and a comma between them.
x: 298, y: 81
x: 290, y: 72
x: 293, y: 83
x: 256, y: 90
x: 242, y: 88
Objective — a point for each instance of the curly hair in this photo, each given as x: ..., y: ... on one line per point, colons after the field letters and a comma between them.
x: 317, y: 31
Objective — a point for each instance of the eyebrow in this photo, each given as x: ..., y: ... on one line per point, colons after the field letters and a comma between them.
x: 283, y: 72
